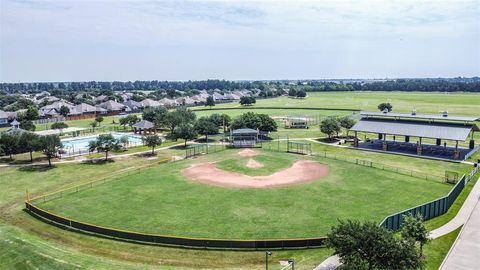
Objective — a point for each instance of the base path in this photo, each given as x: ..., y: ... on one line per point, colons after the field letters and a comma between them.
x: 300, y: 172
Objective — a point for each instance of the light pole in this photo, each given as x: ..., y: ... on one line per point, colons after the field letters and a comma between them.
x: 267, y: 253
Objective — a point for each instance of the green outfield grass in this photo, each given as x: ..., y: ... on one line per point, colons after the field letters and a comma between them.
x: 161, y: 201
x: 28, y: 243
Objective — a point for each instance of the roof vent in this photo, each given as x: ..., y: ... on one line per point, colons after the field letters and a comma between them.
x: 445, y: 113
x: 385, y: 110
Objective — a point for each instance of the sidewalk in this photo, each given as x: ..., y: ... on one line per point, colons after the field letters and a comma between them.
x: 465, y: 253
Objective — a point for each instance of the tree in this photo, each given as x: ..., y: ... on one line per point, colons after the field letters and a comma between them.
x: 124, y: 141
x: 156, y: 115
x: 385, y: 106
x: 94, y: 124
x: 221, y: 120
x: 178, y: 117
x: 210, y: 102
x: 247, y: 101
x: 301, y: 94
x: 59, y: 125
x: 64, y: 110
x: 10, y: 143
x: 369, y: 246
x: 414, y: 228
x: 29, y: 143
x: 253, y: 120
x: 31, y: 113
x: 27, y: 125
x: 185, y: 131
x: 152, y: 141
x: 205, y: 126
x: 292, y: 92
x: 330, y: 126
x: 49, y: 145
x: 130, y: 120
x: 347, y: 123
x: 98, y: 119
x: 104, y: 143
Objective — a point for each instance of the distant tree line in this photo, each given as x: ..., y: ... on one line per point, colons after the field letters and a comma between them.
x: 427, y: 84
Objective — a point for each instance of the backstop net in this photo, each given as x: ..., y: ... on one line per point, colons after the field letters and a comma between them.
x: 299, y: 148
x: 195, y: 150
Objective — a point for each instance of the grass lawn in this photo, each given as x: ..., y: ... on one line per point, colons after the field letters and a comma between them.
x: 28, y: 243
x: 437, y: 249
x: 159, y: 200
x: 425, y: 102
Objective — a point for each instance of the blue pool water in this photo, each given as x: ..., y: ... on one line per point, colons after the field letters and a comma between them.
x: 81, y: 144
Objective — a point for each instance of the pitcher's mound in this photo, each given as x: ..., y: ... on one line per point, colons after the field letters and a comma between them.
x: 252, y: 163
x: 300, y: 172
x: 248, y: 153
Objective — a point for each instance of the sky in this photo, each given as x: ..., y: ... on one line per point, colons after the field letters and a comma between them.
x: 108, y: 40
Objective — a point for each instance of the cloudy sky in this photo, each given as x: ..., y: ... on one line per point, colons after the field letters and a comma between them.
x: 181, y: 40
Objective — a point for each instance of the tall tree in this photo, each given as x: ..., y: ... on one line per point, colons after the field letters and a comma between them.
x: 178, y: 117
x: 94, y: 124
x: 104, y: 143
x: 414, y: 228
x: 29, y: 142
x: 367, y: 245
x: 10, y: 143
x: 385, y: 106
x: 205, y: 126
x: 185, y: 131
x: 31, y: 113
x: 27, y: 125
x: 64, y: 110
x: 152, y: 141
x: 330, y: 126
x: 99, y: 119
x: 347, y: 123
x: 50, y: 145
x: 210, y: 102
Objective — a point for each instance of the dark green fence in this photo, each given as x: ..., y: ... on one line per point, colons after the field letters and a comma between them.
x: 428, y: 210
x: 175, y: 240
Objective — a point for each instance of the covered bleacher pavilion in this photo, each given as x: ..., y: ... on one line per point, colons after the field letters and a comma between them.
x: 244, y: 137
x: 427, y: 135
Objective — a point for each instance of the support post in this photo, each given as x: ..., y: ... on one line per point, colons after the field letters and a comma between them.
x: 355, y: 140
x: 419, y: 147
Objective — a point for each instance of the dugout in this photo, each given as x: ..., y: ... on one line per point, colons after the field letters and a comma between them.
x: 296, y: 121
x: 426, y: 135
x: 243, y: 138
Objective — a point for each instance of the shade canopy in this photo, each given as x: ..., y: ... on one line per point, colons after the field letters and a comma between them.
x: 144, y: 124
x: 445, y: 131
x: 445, y: 117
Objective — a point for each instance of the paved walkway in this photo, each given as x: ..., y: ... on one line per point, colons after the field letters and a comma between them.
x: 465, y: 251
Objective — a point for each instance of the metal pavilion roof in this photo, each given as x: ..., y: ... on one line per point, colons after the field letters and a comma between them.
x: 418, y: 116
x: 445, y: 131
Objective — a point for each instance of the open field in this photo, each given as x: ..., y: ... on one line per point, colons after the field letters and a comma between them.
x: 30, y: 243
x: 424, y: 102
x: 159, y: 200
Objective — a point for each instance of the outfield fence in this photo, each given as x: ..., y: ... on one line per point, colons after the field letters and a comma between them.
x: 431, y: 209
x: 394, y: 222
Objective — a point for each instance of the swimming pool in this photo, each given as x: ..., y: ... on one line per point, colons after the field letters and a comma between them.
x: 80, y: 144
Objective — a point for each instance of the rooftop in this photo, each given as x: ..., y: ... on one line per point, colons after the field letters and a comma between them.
x: 446, y: 131
x: 430, y: 117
